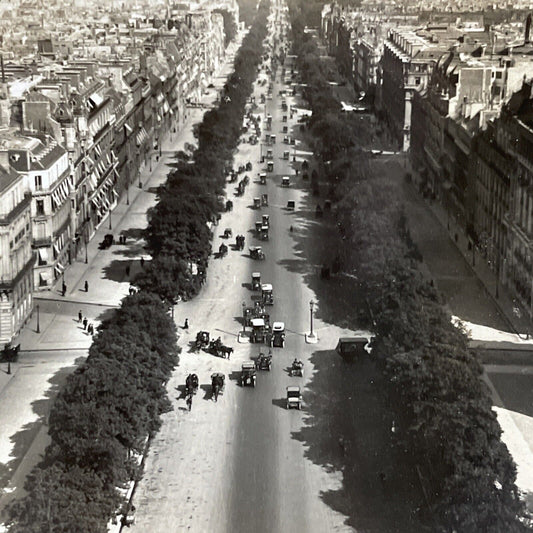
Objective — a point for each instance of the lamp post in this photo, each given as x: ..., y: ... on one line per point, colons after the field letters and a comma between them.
x: 110, y: 224
x: 311, y: 307
x: 38, y: 330
x: 86, y: 253
x: 128, y: 190
x: 243, y: 317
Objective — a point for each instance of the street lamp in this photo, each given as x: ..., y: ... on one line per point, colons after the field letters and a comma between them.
x: 311, y: 306
x: 243, y: 317
x: 86, y: 253
x: 110, y: 224
x: 38, y: 330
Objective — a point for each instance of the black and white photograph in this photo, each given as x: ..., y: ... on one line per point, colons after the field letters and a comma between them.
x: 266, y: 266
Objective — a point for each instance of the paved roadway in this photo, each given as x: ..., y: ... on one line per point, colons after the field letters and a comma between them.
x: 235, y: 465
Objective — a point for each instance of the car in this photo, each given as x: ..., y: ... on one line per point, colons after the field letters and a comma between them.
x: 248, y: 374
x: 294, y: 398
x: 278, y: 334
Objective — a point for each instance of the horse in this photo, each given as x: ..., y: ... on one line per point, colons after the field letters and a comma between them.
x: 226, y: 351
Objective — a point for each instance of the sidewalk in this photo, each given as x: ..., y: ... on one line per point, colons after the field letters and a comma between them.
x: 515, y: 316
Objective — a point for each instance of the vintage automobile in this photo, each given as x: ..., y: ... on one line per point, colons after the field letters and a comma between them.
x: 248, y: 374
x: 257, y: 202
x: 286, y: 139
x: 272, y: 139
x: 258, y: 330
x: 264, y: 199
x: 227, y: 233
x: 270, y: 154
x: 256, y: 281
x: 294, y: 398
x: 297, y: 368
x: 265, y: 220
x: 285, y: 181
x: 266, y: 294
x: 278, y: 335
x: 350, y: 347
x: 256, y: 252
x: 258, y: 226
x: 264, y: 362
x: 263, y: 178
x: 286, y: 155
x: 291, y: 205
x: 264, y: 232
x: 270, y: 166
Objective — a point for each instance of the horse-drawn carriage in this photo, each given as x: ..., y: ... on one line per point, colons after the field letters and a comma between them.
x: 248, y: 374
x: 256, y: 252
x: 222, y: 250
x: 239, y: 242
x: 263, y: 362
x: 297, y: 368
x: 202, y: 340
x: 220, y: 350
x: 191, y: 384
x: 217, y: 384
x: 278, y: 335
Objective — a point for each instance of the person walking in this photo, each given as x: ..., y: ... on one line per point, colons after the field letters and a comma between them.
x: 186, y: 324
x: 142, y: 262
x: 86, y: 286
x: 189, y: 401
x: 64, y: 288
x: 85, y: 322
x: 80, y: 316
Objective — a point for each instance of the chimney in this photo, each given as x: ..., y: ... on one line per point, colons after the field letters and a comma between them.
x: 528, y: 28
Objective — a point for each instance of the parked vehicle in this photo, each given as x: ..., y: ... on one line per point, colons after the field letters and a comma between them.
x: 285, y: 181
x: 107, y: 242
x: 286, y: 155
x: 350, y: 347
x: 270, y: 166
x: 248, y: 374
x: 264, y: 233
x: 257, y: 203
x: 266, y: 220
x: 263, y: 178
x: 291, y: 205
x: 294, y: 398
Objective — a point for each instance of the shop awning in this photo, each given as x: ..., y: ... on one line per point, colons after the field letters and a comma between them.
x: 43, y: 254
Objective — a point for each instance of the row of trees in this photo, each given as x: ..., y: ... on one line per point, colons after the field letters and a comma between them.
x: 103, y: 417
x: 445, y: 424
x: 100, y: 421
x: 178, y: 235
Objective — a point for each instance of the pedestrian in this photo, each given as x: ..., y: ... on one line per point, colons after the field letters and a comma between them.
x: 80, y: 316
x: 189, y: 401
x: 186, y: 324
x: 128, y: 271
x: 142, y: 262
x: 90, y: 329
x: 64, y: 288
x: 85, y: 322
x: 86, y: 286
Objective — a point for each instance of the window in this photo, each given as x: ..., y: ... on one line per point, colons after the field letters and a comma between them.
x: 499, y: 75
x: 417, y: 81
x: 40, y: 208
x: 38, y: 182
